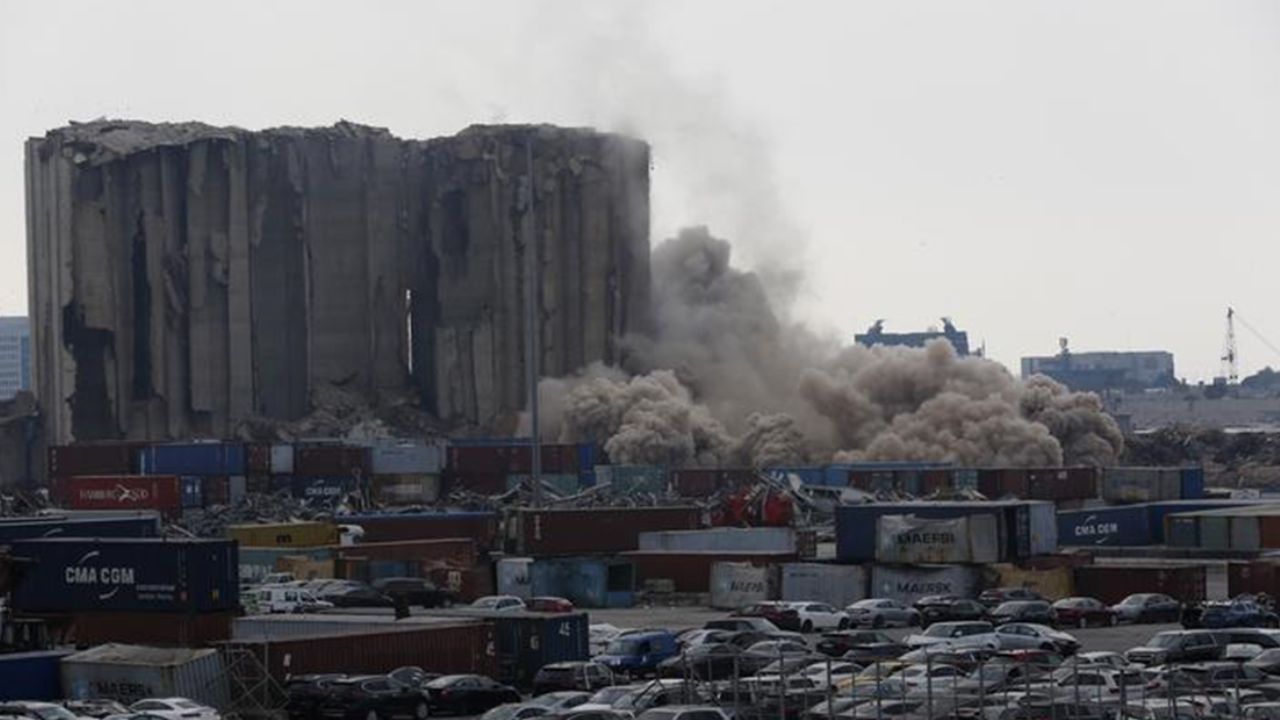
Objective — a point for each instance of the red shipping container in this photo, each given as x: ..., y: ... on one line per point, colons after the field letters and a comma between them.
x: 511, y: 459
x: 217, y: 491
x: 696, y: 483
x: 91, y: 459
x: 932, y: 481
x: 597, y: 530
x: 149, y: 628
x: 331, y: 461
x: 124, y: 492
x: 257, y: 459
x: 1112, y: 583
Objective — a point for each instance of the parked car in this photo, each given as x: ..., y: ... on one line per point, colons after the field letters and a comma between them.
x: 855, y: 644
x: 96, y: 708
x: 1224, y: 675
x: 882, y: 612
x: 1237, y: 613
x: 175, y: 708
x: 639, y: 653
x: 560, y: 700
x: 948, y: 608
x: 1102, y: 658
x: 635, y: 699
x: 819, y: 616
x: 698, y: 636
x: 594, y: 714
x: 1091, y: 684
x: 467, y: 694
x: 763, y: 653
x: 32, y: 710
x: 354, y: 594
x: 739, y: 623
x: 1177, y: 646
x: 373, y: 697
x: 952, y: 634
x: 1082, y: 612
x: 1268, y: 661
x: 1027, y: 611
x: 304, y: 694
x: 414, y: 591
x: 704, y: 662
x: 548, y: 604
x: 684, y: 712
x: 504, y: 603
x: 1148, y: 608
x: 1034, y: 636
x: 514, y: 711
x: 282, y: 599
x: 782, y: 615
x: 573, y: 675
x: 599, y: 637
x: 995, y: 596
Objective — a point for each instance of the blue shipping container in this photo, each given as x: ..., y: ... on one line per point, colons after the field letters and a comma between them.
x: 32, y: 675
x: 321, y: 488
x: 1124, y: 525
x: 192, y: 489
x: 1192, y: 483
x: 807, y: 475
x: 587, y: 582
x: 192, y: 459
x: 80, y: 574
x: 589, y: 456
x: 144, y: 525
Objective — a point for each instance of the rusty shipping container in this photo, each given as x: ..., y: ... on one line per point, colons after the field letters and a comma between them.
x: 1259, y: 576
x: 163, y: 493
x: 699, y: 483
x: 479, y: 527
x: 598, y: 530
x: 691, y: 572
x: 512, y: 459
x: 469, y: 583
x: 463, y: 646
x: 92, y: 459
x: 331, y: 461
x: 148, y: 628
x: 449, y: 552
x: 257, y: 459
x: 1112, y: 583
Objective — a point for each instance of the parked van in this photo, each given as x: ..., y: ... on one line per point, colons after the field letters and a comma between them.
x: 282, y: 599
x: 639, y: 652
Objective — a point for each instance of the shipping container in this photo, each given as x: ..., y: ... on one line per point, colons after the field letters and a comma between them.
x: 690, y: 572
x: 406, y: 489
x: 1125, y: 525
x: 201, y: 458
x: 749, y: 540
x: 32, y: 675
x: 911, y: 540
x: 598, y: 530
x: 735, y: 585
x: 297, y: 534
x: 78, y: 574
x: 92, y: 459
x: 281, y: 459
x: 144, y: 524
x: 527, y: 641
x: 480, y: 527
x: 836, y: 585
x: 467, y: 584
x: 163, y: 493
x: 1159, y: 510
x: 1192, y: 483
x: 589, y: 455
x: 331, y: 461
x: 1113, y: 583
x: 455, y: 552
x: 255, y: 563
x: 322, y: 489
x: 513, y: 459
x: 192, y: 489
x: 804, y: 475
x: 587, y: 582
x: 457, y: 645
x: 700, y: 483
x: 1253, y: 577
x: 1026, y: 527
x: 908, y: 583
x: 216, y: 490
x: 406, y: 459
x: 129, y: 673
x: 633, y: 479
x: 257, y: 459
x: 514, y: 577
x: 157, y: 629
x: 1182, y: 532
x: 1052, y: 583
x: 1141, y: 484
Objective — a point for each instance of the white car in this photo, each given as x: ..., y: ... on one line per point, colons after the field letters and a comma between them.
x: 954, y: 634
x: 501, y: 603
x: 831, y: 674
x: 684, y: 712
x: 282, y: 599
x: 1092, y: 683
x: 882, y: 612
x: 175, y: 708
x: 1031, y: 636
x: 1102, y: 658
x: 819, y: 616
x: 599, y: 636
x: 939, y: 676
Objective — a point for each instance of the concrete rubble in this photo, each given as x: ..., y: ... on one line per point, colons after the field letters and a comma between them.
x: 189, y: 280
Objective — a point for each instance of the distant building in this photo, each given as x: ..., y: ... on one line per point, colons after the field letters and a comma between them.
x: 1097, y: 371
x: 15, y: 356
x: 875, y: 335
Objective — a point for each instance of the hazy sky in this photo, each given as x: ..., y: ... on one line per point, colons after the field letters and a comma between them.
x: 1107, y: 171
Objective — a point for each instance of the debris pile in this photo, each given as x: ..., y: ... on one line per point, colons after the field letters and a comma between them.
x: 1230, y: 459
x: 280, y: 507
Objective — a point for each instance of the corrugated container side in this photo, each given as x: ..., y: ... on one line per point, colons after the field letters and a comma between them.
x: 142, y: 526
x: 514, y: 577
x: 511, y: 459
x: 1215, y: 532
x: 406, y: 489
x: 691, y: 572
x: 836, y: 585
x: 144, y: 672
x: 91, y: 459
x: 1245, y: 533
x: 907, y: 539
x: 257, y: 459
x: 736, y: 585
x: 281, y: 459
x: 1269, y: 531
x: 583, y: 581
x: 154, y: 629
x: 1123, y: 526
x: 1112, y: 583
x: 299, y: 534
x: 1192, y: 483
x: 256, y: 563
x: 1027, y: 527
x: 323, y: 489
x: 1051, y: 583
x: 124, y: 492
x: 407, y: 459
x: 720, y: 539
x: 1183, y: 531
x: 1044, y: 529
x: 193, y: 459
x: 467, y: 583
x: 481, y: 527
x: 908, y: 583
x: 459, y: 552
x: 32, y: 675
x: 1141, y: 484
x: 633, y: 479
x: 216, y: 490
x: 1259, y: 576
x: 601, y: 530
x: 331, y: 460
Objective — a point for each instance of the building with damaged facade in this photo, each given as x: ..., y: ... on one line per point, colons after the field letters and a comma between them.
x: 185, y: 279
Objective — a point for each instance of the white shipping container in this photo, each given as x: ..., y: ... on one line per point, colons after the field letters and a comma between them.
x: 281, y: 459
x: 726, y: 540
x: 734, y: 585
x: 236, y: 488
x: 915, y: 540
x: 513, y: 577
x: 407, y: 459
x: 908, y: 583
x: 836, y: 585
x: 1043, y: 518
x: 128, y: 673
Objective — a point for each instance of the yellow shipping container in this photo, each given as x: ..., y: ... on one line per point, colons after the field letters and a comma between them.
x: 300, y: 534
x: 305, y: 568
x: 1052, y: 584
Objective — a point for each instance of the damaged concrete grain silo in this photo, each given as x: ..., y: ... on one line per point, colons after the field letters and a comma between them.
x: 186, y: 279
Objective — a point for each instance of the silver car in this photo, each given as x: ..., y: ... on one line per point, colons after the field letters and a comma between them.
x: 1031, y: 636
x: 882, y: 612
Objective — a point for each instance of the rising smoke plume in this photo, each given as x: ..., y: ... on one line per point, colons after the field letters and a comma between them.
x: 721, y: 381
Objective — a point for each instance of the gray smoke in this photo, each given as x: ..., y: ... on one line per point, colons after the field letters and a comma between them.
x: 721, y: 381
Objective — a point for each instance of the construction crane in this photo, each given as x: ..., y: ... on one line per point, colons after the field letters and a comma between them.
x: 1230, y: 362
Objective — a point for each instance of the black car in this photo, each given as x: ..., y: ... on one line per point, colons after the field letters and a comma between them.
x: 304, y: 694
x: 995, y: 596
x: 858, y: 645
x: 1023, y: 611
x: 579, y: 675
x: 706, y: 662
x: 943, y: 608
x: 468, y: 694
x: 414, y: 591
x: 1268, y: 661
x: 1177, y: 646
x: 354, y: 594
x: 373, y: 697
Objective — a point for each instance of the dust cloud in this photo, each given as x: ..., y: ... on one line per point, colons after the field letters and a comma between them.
x: 721, y: 381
